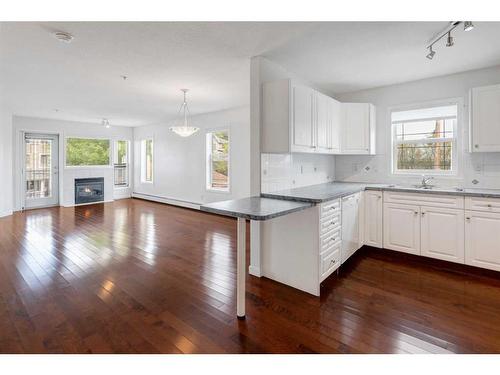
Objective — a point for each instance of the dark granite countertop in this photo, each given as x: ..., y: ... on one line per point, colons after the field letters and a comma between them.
x: 255, y: 208
x: 320, y: 193
x: 324, y: 192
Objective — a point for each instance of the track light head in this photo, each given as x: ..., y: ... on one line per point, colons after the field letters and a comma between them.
x: 431, y: 53
x: 449, y: 41
x: 468, y: 25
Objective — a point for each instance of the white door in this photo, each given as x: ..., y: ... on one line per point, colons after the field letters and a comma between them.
x: 402, y: 228
x: 350, y: 225
x: 302, y: 119
x: 41, y: 170
x: 356, y: 128
x: 373, y: 218
x: 442, y: 234
x: 322, y: 124
x: 486, y: 119
x: 482, y: 239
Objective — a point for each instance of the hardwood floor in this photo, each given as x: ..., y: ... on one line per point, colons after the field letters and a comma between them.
x: 141, y: 277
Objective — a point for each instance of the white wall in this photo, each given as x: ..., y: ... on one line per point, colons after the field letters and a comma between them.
x: 483, y: 167
x: 67, y: 175
x: 283, y: 171
x: 5, y: 161
x: 288, y: 171
x: 180, y: 163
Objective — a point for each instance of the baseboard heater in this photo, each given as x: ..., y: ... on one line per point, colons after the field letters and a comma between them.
x: 167, y: 200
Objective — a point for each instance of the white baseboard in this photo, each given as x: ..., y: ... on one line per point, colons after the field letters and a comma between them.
x: 254, y: 271
x: 5, y: 213
x: 167, y: 200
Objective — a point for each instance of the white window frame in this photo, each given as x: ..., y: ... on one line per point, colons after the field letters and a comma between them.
x: 208, y: 158
x: 456, y: 141
x: 110, y: 156
x: 127, y: 162
x: 143, y: 160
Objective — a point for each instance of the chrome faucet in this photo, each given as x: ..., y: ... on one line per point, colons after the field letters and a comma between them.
x: 425, y: 181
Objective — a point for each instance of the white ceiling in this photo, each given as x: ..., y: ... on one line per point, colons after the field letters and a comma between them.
x: 39, y: 74
x: 349, y: 56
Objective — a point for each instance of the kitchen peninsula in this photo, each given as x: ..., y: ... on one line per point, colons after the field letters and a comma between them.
x: 308, y: 232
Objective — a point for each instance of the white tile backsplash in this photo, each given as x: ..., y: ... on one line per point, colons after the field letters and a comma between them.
x: 286, y: 171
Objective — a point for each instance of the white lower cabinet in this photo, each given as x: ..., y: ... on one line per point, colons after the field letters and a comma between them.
x: 442, y: 234
x: 482, y: 239
x: 402, y: 228
x: 373, y: 210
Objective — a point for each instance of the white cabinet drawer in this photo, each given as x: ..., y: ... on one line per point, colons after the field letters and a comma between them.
x: 424, y: 199
x: 329, y: 239
x: 330, y: 208
x: 482, y: 204
x: 330, y: 223
x: 330, y: 262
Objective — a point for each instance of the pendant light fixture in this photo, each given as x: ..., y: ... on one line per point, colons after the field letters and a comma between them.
x: 182, y: 125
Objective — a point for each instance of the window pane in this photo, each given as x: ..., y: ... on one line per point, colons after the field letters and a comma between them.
x: 424, y: 156
x: 219, y: 160
x: 408, y: 131
x: 149, y: 160
x: 83, y: 152
x: 121, y: 152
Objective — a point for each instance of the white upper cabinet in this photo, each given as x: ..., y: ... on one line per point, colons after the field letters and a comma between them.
x: 296, y: 118
x: 334, y: 123
x: 303, y: 137
x: 358, y: 129
x: 322, y: 123
x: 485, y: 119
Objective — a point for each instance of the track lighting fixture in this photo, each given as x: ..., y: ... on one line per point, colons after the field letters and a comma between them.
x: 450, y: 41
x: 468, y: 25
x: 431, y: 53
x: 105, y: 123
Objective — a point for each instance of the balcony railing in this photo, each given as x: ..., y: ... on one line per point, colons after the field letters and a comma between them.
x: 121, y: 175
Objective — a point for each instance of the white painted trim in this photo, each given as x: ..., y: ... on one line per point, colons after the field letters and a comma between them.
x: 255, y: 249
x: 458, y: 141
x: 254, y: 271
x: 167, y: 200
x: 5, y: 213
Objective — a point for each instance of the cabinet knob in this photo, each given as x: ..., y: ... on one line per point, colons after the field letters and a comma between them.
x: 416, y: 212
x: 423, y: 213
x: 489, y: 205
x: 332, y: 261
x: 476, y: 146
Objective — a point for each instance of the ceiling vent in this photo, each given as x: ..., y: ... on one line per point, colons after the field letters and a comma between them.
x: 63, y: 36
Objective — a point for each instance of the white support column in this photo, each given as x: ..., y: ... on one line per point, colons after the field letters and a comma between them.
x: 240, y: 268
x: 255, y: 255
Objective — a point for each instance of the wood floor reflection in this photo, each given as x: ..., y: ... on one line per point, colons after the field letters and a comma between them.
x: 140, y: 277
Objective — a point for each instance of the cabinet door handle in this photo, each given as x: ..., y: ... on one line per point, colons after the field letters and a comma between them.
x: 467, y: 218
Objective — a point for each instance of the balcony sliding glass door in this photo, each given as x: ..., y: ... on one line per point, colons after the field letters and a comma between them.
x: 41, y: 170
